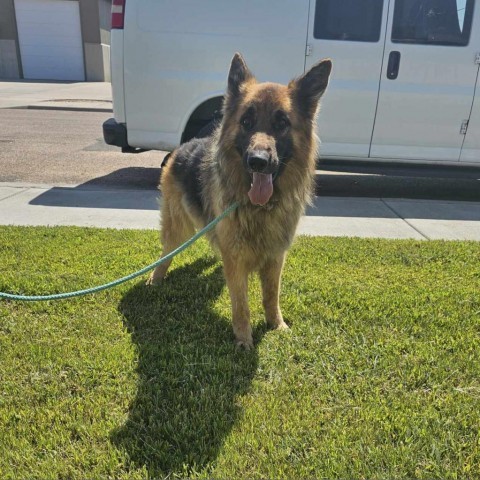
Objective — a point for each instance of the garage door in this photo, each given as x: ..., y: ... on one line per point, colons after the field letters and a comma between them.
x: 50, y: 39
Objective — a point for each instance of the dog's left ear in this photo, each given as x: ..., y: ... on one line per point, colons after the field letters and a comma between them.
x: 309, y: 88
x: 238, y: 74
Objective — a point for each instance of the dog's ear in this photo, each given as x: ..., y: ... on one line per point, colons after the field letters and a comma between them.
x: 309, y: 88
x: 238, y: 74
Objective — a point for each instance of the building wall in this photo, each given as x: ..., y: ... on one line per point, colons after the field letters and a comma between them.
x: 92, y: 48
x: 96, y: 38
x: 9, y: 51
x: 95, y: 27
x: 105, y: 16
x: 105, y: 20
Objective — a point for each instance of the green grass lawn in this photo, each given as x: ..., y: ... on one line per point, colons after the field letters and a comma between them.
x: 379, y: 376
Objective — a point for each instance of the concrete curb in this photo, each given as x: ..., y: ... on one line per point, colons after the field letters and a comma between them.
x: 66, y: 108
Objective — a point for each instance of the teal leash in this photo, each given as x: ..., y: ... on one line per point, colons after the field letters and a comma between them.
x: 99, y: 288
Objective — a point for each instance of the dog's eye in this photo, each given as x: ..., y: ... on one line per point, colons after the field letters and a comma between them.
x: 280, y: 124
x: 247, y: 123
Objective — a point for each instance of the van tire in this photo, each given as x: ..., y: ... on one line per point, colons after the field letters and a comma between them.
x: 208, y: 129
x: 203, y: 120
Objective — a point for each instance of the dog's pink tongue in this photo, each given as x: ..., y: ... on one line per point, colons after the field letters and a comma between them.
x: 262, y: 189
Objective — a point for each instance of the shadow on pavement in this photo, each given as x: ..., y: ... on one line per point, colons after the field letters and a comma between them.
x: 135, y: 188
x: 142, y: 178
x: 127, y: 188
x: 362, y: 179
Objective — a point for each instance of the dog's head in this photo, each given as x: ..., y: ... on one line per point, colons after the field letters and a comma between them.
x: 262, y: 119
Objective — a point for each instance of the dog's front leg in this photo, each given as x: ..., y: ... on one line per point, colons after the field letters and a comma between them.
x: 236, y: 276
x: 270, y: 277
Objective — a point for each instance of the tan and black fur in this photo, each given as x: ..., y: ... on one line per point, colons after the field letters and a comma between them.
x: 266, y: 136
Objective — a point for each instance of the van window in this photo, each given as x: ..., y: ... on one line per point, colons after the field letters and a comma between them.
x: 353, y: 20
x: 432, y: 22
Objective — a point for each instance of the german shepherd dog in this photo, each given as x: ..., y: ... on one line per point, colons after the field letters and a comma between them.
x: 262, y: 155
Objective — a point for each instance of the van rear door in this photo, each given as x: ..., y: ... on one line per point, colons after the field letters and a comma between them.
x: 428, y: 80
x: 352, y: 33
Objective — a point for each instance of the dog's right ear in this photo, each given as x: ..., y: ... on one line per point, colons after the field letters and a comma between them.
x: 238, y: 74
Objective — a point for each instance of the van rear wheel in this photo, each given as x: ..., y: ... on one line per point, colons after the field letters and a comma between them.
x: 203, y: 120
x: 208, y: 129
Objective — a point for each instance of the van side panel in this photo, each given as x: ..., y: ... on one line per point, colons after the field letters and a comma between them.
x: 471, y: 146
x: 177, y: 55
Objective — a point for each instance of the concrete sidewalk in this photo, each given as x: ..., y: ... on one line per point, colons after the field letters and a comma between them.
x: 82, y: 96
x: 330, y: 216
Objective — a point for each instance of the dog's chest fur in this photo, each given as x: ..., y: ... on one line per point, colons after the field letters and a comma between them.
x: 263, y: 231
x: 211, y: 183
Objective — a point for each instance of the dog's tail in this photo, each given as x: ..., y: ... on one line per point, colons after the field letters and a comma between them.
x: 165, y: 160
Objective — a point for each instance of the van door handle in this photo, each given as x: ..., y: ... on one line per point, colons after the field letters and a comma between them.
x: 393, y: 65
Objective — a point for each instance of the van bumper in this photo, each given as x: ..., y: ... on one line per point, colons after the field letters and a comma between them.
x: 115, y: 133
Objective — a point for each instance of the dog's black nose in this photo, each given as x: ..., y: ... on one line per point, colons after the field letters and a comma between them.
x: 258, y: 160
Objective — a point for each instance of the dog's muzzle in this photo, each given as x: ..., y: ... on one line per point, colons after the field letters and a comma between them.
x: 260, y: 165
x: 259, y: 161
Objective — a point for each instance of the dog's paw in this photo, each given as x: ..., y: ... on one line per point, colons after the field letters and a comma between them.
x: 281, y: 326
x: 153, y: 281
x: 245, y: 344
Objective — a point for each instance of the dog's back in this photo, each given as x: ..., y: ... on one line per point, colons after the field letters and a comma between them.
x: 185, y: 170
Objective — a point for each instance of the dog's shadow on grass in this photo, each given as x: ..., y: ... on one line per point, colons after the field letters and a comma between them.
x: 190, y: 373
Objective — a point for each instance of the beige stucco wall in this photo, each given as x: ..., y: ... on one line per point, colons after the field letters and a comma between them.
x: 10, y: 67
x: 95, y: 27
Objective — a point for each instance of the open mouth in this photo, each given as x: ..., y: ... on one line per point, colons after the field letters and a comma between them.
x: 261, y: 188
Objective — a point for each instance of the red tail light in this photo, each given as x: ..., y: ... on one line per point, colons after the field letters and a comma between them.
x: 118, y: 13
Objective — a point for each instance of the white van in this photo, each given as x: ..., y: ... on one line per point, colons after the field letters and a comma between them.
x: 404, y: 87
